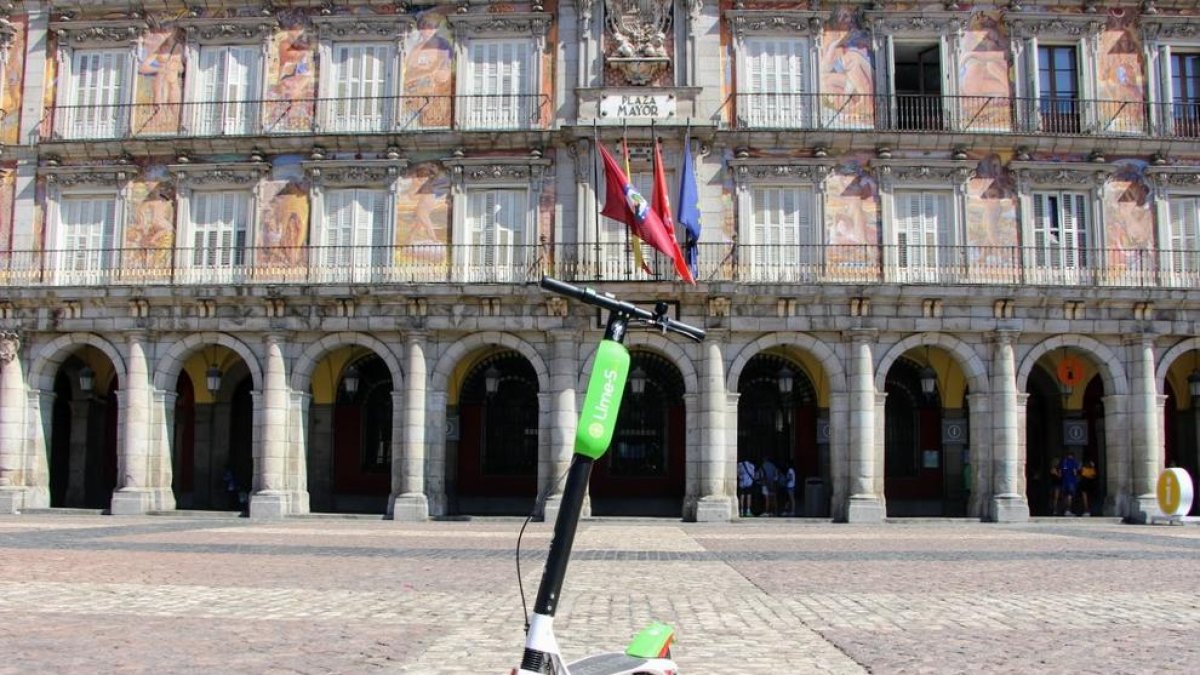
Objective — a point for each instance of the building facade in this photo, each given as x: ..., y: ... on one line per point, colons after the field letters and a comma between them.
x: 278, y: 256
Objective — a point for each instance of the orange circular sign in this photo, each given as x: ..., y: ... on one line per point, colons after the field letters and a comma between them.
x: 1070, y: 371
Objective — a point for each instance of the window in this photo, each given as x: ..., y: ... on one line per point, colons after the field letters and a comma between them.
x: 1185, y: 94
x: 220, y: 221
x: 783, y: 239
x: 359, y: 88
x: 95, y: 94
x: 86, y: 237
x: 356, y: 237
x: 1058, y: 89
x: 917, y: 83
x: 498, y: 92
x: 226, y: 90
x: 1060, y: 230
x: 924, y: 233
x: 1184, y: 247
x: 777, y: 83
x: 498, y: 247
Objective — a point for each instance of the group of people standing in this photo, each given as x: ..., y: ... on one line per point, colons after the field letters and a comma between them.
x: 1070, y: 480
x: 767, y: 490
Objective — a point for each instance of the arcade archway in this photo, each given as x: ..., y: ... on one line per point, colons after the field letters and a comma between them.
x: 82, y: 447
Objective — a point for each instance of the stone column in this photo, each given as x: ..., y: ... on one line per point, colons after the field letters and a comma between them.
x: 136, y: 493
x: 982, y: 453
x: 301, y: 402
x: 271, y: 498
x: 692, y: 440
x: 715, y: 502
x: 864, y: 504
x: 1147, y: 445
x: 411, y: 503
x: 564, y: 419
x: 1118, y: 456
x: 435, y: 471
x: 13, y: 478
x: 1009, y: 504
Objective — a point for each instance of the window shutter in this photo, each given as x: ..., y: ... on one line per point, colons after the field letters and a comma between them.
x: 98, y: 78
x: 1073, y: 238
x: 360, y: 83
x: 381, y: 242
x: 500, y: 80
x: 1184, y: 238
x: 212, y: 67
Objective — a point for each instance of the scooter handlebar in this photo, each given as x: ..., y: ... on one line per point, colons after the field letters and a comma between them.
x: 605, y: 301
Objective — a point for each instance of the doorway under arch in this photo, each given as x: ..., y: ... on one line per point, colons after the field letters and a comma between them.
x: 83, y: 437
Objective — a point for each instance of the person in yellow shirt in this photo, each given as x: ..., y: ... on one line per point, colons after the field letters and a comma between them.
x: 1087, y: 483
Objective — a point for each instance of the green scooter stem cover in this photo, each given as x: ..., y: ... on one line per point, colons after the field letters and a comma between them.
x: 605, y: 389
x: 652, y: 641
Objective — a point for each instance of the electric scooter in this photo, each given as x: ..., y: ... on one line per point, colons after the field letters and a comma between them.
x: 650, y: 652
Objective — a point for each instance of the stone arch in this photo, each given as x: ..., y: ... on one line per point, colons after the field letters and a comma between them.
x: 439, y: 379
x: 668, y: 348
x: 307, y: 363
x: 172, y: 362
x: 965, y: 357
x: 50, y: 357
x: 1169, y: 357
x: 1109, y: 365
x: 816, y: 348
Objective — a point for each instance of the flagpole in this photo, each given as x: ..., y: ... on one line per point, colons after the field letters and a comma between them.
x: 625, y: 158
x: 654, y: 153
x: 596, y: 192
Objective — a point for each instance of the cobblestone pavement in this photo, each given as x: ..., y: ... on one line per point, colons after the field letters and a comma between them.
x: 174, y: 595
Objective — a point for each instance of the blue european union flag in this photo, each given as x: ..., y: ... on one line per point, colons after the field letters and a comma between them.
x: 689, y: 208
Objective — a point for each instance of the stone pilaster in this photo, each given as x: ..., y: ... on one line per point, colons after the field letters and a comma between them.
x: 716, y: 503
x: 1118, y: 462
x: 1009, y: 504
x: 300, y: 404
x: 137, y: 492
x: 864, y: 504
x: 981, y: 454
x: 13, y: 479
x: 411, y: 503
x: 1146, y: 442
x: 564, y: 418
x: 270, y: 499
x: 435, y: 471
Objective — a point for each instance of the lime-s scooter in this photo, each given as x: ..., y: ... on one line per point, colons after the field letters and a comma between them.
x: 650, y: 651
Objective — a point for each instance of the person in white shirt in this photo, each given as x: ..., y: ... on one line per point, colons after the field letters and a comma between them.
x: 745, y: 485
x: 789, y: 486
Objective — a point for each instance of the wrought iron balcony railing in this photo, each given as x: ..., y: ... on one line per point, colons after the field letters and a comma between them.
x: 377, y: 115
x: 966, y: 114
x: 435, y: 263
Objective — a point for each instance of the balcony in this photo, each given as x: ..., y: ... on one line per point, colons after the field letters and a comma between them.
x: 956, y: 114
x: 857, y: 265
x: 378, y: 115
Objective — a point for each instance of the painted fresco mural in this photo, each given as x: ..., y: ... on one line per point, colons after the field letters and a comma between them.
x: 847, y: 73
x: 428, y: 70
x: 983, y: 75
x: 283, y: 215
x: 150, y: 221
x: 1129, y: 220
x: 158, y: 89
x: 10, y: 88
x: 8, y: 186
x: 851, y: 217
x: 423, y: 213
x: 291, y: 75
x: 993, y: 226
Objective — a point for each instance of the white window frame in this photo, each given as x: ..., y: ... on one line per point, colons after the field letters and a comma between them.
x: 1162, y: 36
x: 238, y: 117
x: 1056, y: 254
x: 376, y: 263
x: 105, y: 268
x: 75, y: 36
x: 945, y: 28
x: 347, y: 31
x: 1062, y: 177
x: 473, y: 29
x: 204, y: 178
x: 501, y: 259
x: 510, y: 110
x: 231, y: 262
x: 1181, y: 253
x: 1174, y: 185
x: 948, y: 177
x: 803, y: 29
x: 75, y: 122
x: 1028, y: 31
x: 495, y: 173
x: 807, y: 178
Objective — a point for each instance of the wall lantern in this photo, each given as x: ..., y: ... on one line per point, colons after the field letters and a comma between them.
x: 350, y: 380
x: 786, y: 378
x: 491, y: 380
x: 212, y: 379
x: 87, y: 379
x: 637, y: 381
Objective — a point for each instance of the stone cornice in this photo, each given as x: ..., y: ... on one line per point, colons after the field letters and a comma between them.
x: 764, y: 170
x: 925, y: 171
x: 1159, y: 27
x: 915, y: 22
x: 334, y: 172
x: 497, y: 169
x: 236, y: 29
x: 98, y: 33
x: 358, y: 27
x: 1023, y: 25
x: 1070, y: 174
x: 793, y: 23
x: 1174, y: 176
x: 508, y: 23
x: 233, y: 174
x: 107, y: 175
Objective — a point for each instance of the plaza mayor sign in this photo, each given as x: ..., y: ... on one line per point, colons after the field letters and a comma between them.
x: 653, y: 106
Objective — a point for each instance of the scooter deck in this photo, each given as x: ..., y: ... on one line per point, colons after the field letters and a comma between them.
x: 615, y: 663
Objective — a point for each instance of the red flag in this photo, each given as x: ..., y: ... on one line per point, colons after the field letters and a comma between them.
x: 660, y: 205
x: 623, y: 203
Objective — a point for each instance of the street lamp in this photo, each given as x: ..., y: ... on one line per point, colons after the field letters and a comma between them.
x: 785, y: 378
x: 212, y: 379
x: 491, y: 380
x: 87, y: 379
x: 637, y: 381
x: 350, y: 380
x: 928, y: 381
